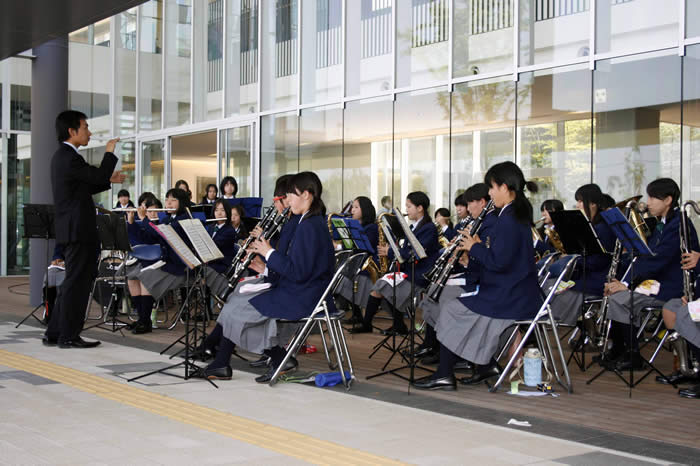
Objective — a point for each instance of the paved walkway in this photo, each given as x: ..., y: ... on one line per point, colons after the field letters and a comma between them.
x: 72, y: 406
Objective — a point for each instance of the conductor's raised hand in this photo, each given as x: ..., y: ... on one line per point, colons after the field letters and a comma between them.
x: 111, y: 145
x: 117, y: 177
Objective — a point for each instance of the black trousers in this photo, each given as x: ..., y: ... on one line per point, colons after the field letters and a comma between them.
x: 71, y: 300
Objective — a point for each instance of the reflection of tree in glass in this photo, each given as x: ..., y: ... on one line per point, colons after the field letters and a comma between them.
x: 634, y: 176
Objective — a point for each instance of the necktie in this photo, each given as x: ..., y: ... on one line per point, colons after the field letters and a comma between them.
x: 660, y: 226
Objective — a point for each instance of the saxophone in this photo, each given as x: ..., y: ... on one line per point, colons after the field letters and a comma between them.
x: 444, y: 242
x: 384, y: 263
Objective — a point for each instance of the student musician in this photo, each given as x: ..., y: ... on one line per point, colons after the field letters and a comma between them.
x: 363, y: 211
x: 182, y: 184
x: 424, y: 229
x: 152, y: 283
x: 663, y: 195
x: 237, y: 214
x: 211, y: 195
x: 470, y: 327
x: 476, y: 198
x: 224, y: 236
x: 545, y: 246
x: 677, y: 317
x: 228, y: 187
x: 305, y: 267
x: 442, y: 219
x: 123, y: 200
x: 461, y: 210
x: 566, y: 306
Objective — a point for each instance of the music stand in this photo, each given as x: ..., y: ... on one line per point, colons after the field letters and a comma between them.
x: 113, y: 235
x: 578, y: 236
x: 39, y: 224
x: 631, y: 241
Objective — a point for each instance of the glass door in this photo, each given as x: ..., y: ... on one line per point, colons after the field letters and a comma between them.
x: 236, y: 149
x: 153, y: 176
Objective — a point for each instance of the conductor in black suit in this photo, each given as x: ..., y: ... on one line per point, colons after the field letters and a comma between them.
x: 74, y: 181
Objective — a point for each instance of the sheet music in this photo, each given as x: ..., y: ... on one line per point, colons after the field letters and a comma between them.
x: 203, y: 244
x: 390, y: 239
x: 415, y: 244
x: 174, y: 241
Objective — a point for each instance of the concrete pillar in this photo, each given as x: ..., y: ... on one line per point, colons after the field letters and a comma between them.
x: 49, y: 98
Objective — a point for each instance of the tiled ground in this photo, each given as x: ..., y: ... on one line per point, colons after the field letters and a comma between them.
x: 45, y: 421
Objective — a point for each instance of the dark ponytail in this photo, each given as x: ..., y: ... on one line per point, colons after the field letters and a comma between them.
x: 509, y: 174
x: 309, y: 181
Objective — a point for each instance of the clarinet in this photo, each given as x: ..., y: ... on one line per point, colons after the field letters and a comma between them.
x: 434, y: 271
x: 240, y: 254
x: 436, y: 287
x: 271, y: 229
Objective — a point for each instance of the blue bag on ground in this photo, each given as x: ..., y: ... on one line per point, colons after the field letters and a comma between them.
x: 329, y: 379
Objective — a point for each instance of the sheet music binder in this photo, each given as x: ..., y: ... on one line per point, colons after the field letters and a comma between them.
x: 576, y: 232
x: 408, y: 234
x: 168, y: 233
x: 389, y: 235
x: 203, y: 244
x: 627, y: 235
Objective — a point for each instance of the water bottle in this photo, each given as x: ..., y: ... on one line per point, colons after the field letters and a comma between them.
x: 532, y: 363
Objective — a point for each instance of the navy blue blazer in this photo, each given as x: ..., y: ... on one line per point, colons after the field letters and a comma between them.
x: 224, y: 237
x: 597, y: 265
x: 426, y: 233
x: 508, y: 287
x: 282, y: 242
x: 449, y: 233
x: 148, y: 235
x: 544, y: 247
x: 473, y: 270
x: 665, y: 265
x: 305, y: 266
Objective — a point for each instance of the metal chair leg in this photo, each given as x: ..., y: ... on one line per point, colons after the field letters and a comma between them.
x: 511, y: 361
x: 343, y: 341
x: 331, y: 332
x: 565, y: 367
x: 290, y: 350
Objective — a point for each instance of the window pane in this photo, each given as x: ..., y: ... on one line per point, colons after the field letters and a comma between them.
x: 193, y: 159
x: 208, y: 59
x: 18, y: 176
x: 153, y: 168
x: 422, y: 146
x: 178, y: 15
x: 322, y: 54
x: 279, y: 150
x: 691, y: 123
x: 632, y: 25
x: 369, y: 34
x: 637, y: 122
x: 151, y: 66
x: 242, y: 57
x: 93, y: 155
x: 692, y: 13
x: 125, y: 72
x: 483, y: 37
x: 367, y: 150
x: 20, y: 107
x: 126, y: 151
x: 279, y: 34
x: 554, y: 131
x: 235, y: 159
x: 483, y: 130
x: 321, y: 151
x: 553, y: 31
x: 422, y: 35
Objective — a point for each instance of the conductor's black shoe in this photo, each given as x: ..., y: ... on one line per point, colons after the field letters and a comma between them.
x: 692, y: 392
x: 218, y: 373
x: 47, y: 341
x: 463, y: 365
x: 677, y: 378
x: 264, y: 361
x: 142, y: 328
x: 77, y: 343
x: 291, y: 366
x: 431, y: 359
x: 481, y: 374
x: 361, y: 328
x: 442, y: 383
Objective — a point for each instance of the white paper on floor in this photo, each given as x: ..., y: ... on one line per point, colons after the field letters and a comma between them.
x: 519, y: 423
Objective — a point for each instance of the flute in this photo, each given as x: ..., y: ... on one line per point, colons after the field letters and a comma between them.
x: 223, y: 219
x: 134, y: 209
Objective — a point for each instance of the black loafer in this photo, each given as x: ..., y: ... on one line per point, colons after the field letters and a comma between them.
x: 291, y: 366
x: 443, y: 383
x: 463, y: 365
x: 361, y: 328
x: 202, y: 354
x: 431, y: 359
x: 633, y: 363
x: 48, y: 341
x: 692, y: 392
x: 218, y: 373
x: 677, y: 378
x: 483, y: 373
x: 142, y: 328
x: 264, y: 361
x: 77, y: 343
x: 424, y: 351
x: 393, y: 331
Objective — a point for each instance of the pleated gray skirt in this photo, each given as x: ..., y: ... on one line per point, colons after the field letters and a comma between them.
x: 159, y: 282
x: 364, y: 286
x: 55, y: 277
x: 619, y: 306
x: 689, y: 329
x: 471, y: 336
x: 247, y: 328
x: 403, y: 293
x: 133, y: 270
x: 566, y: 306
x: 431, y: 309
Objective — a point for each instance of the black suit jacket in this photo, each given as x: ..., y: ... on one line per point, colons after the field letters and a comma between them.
x: 74, y: 181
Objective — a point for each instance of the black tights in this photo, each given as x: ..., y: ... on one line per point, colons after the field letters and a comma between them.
x: 620, y: 336
x: 226, y: 348
x: 372, y: 308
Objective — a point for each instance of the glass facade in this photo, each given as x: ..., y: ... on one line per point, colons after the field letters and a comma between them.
x: 379, y: 97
